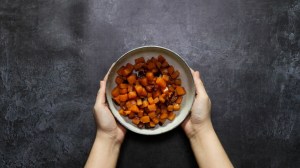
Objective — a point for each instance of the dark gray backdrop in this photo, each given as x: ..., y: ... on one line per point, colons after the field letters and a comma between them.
x: 54, y: 52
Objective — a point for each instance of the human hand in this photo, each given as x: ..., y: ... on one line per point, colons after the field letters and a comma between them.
x: 106, y: 124
x: 200, y: 112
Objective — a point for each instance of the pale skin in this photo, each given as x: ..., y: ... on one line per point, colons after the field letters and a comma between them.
x: 198, y: 127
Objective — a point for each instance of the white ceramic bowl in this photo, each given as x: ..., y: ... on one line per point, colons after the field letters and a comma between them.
x: 187, y: 82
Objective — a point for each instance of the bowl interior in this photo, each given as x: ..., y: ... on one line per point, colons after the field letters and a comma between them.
x: 185, y: 75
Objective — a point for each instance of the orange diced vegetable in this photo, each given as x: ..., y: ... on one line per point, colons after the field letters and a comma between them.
x: 143, y: 81
x: 161, y: 59
x: 123, y: 86
x: 139, y: 60
x: 150, y: 100
x: 131, y: 79
x: 176, y: 107
x: 141, y: 113
x: 152, y: 124
x: 170, y: 108
x: 163, y: 116
x: 152, y: 107
x: 166, y: 78
x: 165, y: 64
x: 119, y: 80
x: 121, y: 111
x: 145, y: 119
x: 179, y: 100
x: 129, y: 66
x: 129, y: 88
x: 134, y: 108
x: 120, y: 70
x: 145, y: 103
x: 150, y: 76
x: 115, y: 92
x: 127, y: 112
x: 156, y: 100
x: 136, y: 120
x: 139, y: 102
x: 123, y: 97
x: 161, y: 99
x: 171, y: 116
x: 117, y: 99
x: 131, y: 115
x: 123, y: 91
x: 132, y: 95
x: 155, y: 120
x: 170, y: 69
x: 175, y: 74
x: 150, y: 65
x: 152, y: 114
x: 180, y: 90
x: 178, y: 81
x: 160, y: 82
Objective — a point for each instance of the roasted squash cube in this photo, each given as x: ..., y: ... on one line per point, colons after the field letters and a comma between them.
x: 139, y: 102
x: 143, y: 81
x: 134, y: 108
x: 150, y: 100
x: 170, y: 69
x: 179, y: 99
x: 176, y: 107
x: 151, y: 65
x: 145, y: 119
x: 123, y: 86
x: 171, y: 116
x: 139, y: 60
x: 161, y: 59
x: 152, y: 124
x: 155, y: 120
x: 132, y: 95
x: 115, y: 92
x: 123, y: 97
x: 170, y: 108
x: 138, y: 66
x: 123, y: 91
x: 119, y: 80
x: 152, y: 114
x: 152, y: 107
x: 175, y: 74
x: 163, y: 116
x: 131, y: 79
x: 165, y: 64
x: 117, y: 99
x: 130, y: 67
x: 180, y: 90
x: 160, y: 82
x: 178, y: 82
x: 150, y: 76
x: 135, y: 120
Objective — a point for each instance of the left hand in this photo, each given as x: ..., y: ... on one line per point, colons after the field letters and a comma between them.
x: 105, y: 121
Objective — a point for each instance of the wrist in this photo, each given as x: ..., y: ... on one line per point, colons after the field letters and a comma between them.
x: 200, y: 130
x: 107, y: 139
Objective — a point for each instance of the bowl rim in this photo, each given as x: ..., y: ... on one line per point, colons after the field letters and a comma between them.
x: 157, y: 47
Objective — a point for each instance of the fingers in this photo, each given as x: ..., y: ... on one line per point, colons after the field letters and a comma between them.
x: 199, y: 84
x: 100, y: 100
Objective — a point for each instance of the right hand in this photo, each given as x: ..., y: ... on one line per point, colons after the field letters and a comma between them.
x: 200, y: 118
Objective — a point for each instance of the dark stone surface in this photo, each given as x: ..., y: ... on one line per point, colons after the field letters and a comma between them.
x: 53, y: 54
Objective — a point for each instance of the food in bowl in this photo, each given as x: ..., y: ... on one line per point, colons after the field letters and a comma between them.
x: 148, y: 92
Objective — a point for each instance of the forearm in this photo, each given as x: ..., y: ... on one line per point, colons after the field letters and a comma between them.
x: 104, y: 153
x: 208, y: 150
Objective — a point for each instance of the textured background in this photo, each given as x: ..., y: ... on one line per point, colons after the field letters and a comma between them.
x: 54, y: 52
